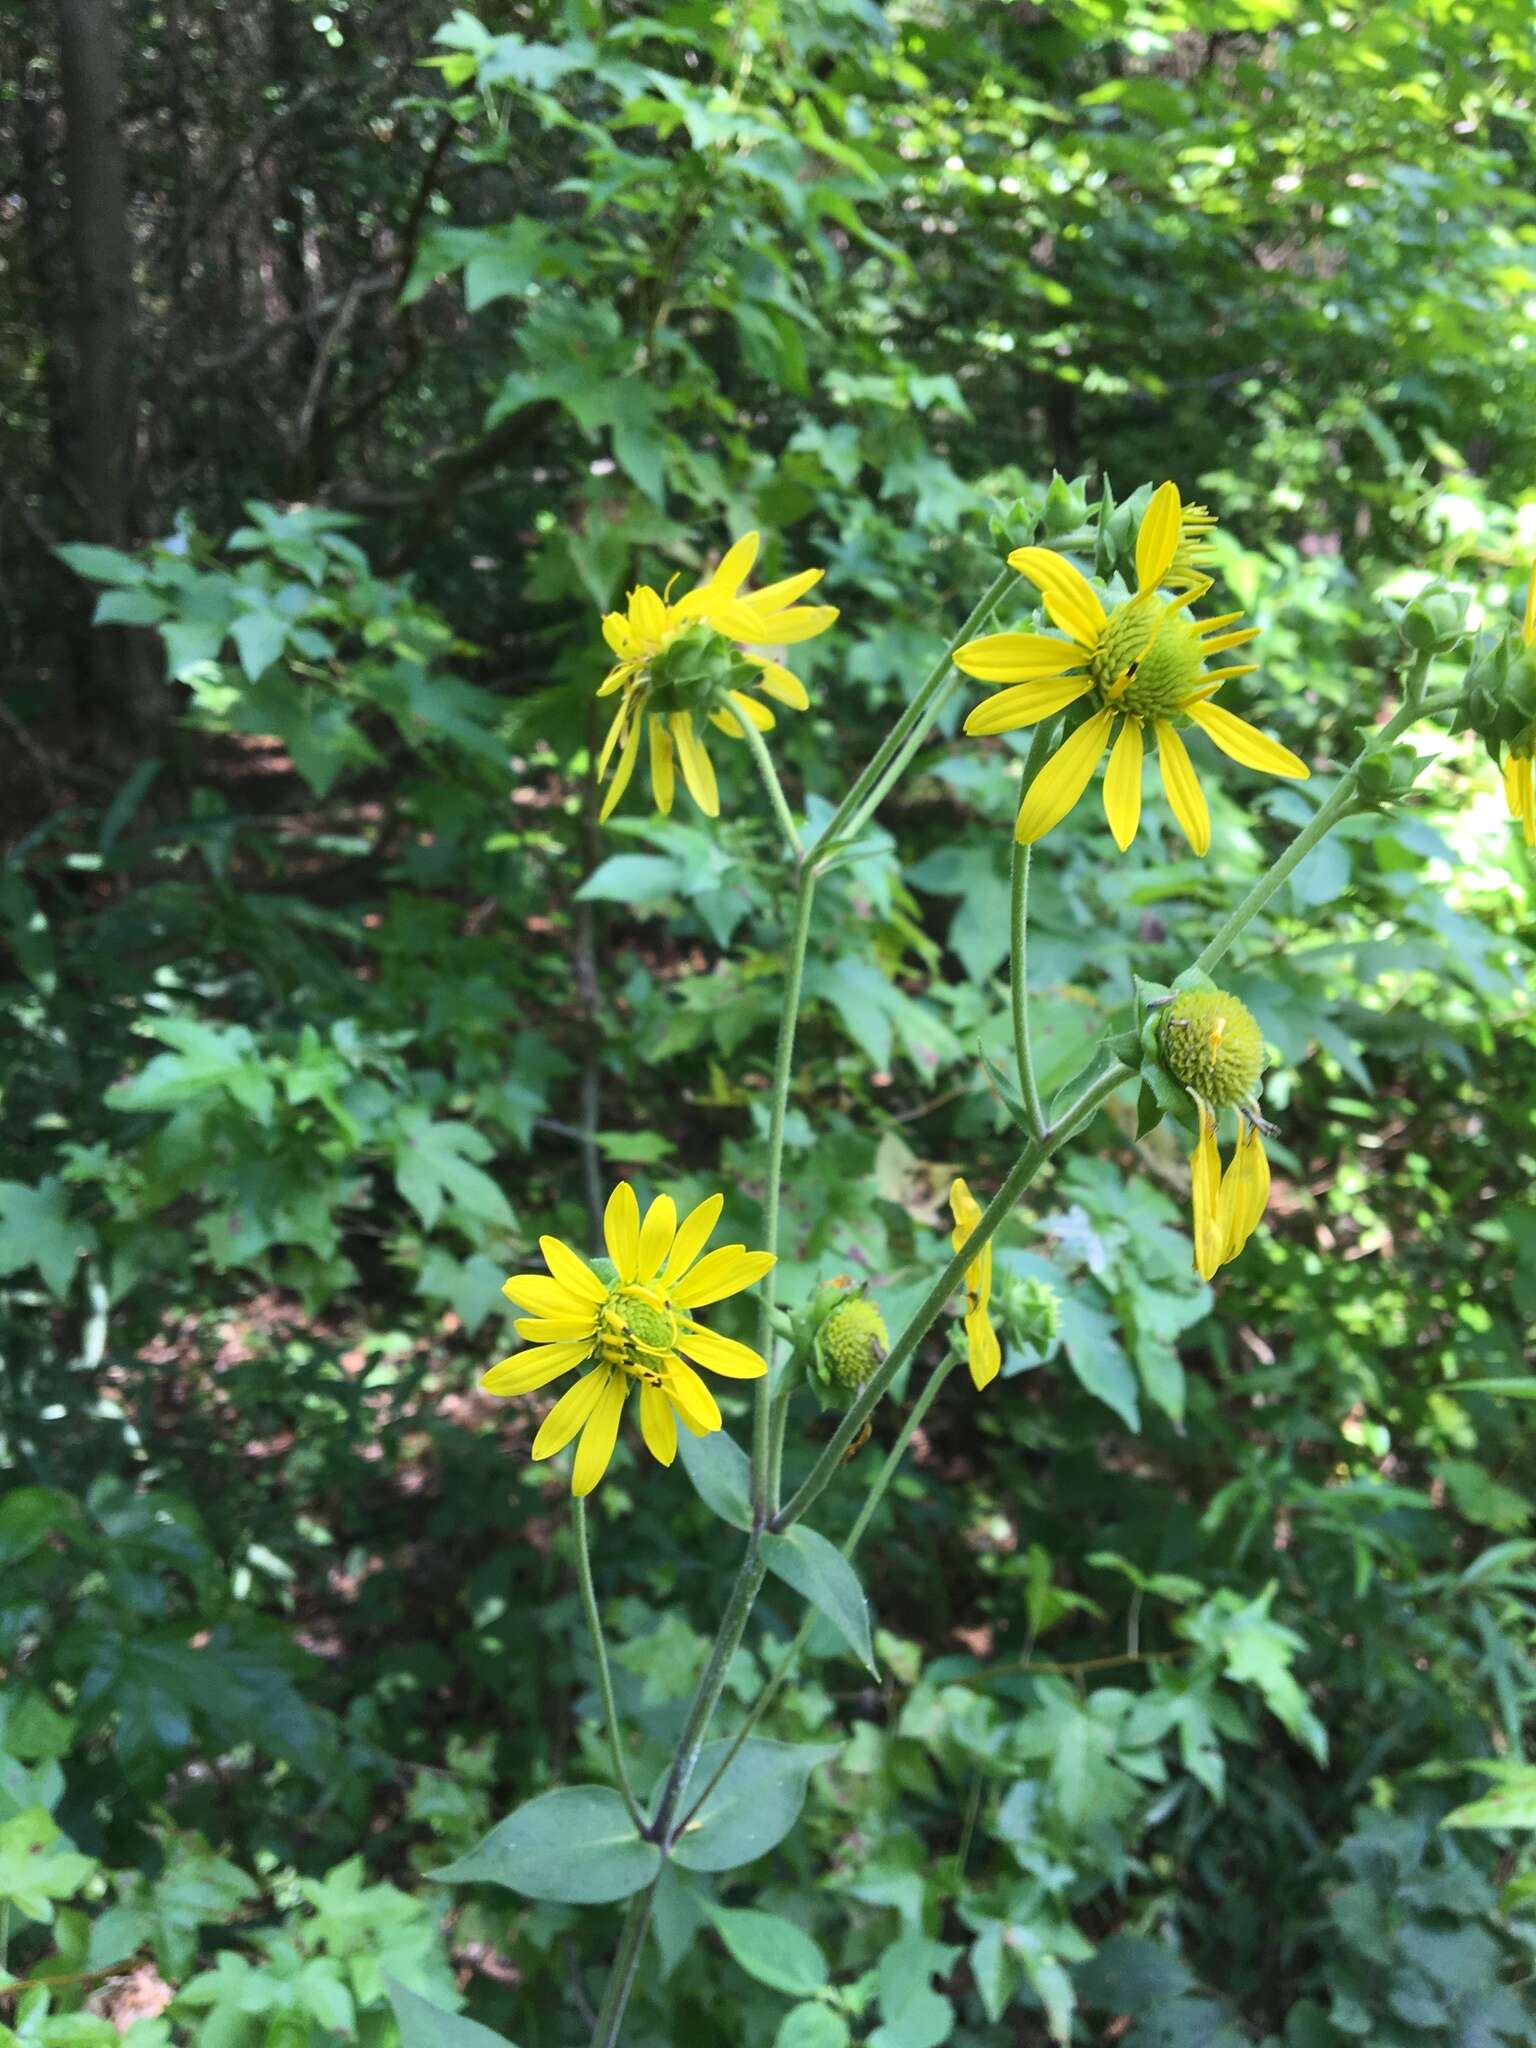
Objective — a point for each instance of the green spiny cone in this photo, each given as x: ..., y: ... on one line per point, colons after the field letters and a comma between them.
x: 853, y: 1341
x: 1212, y: 1046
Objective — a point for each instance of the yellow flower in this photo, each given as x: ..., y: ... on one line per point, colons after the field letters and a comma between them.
x: 1519, y: 782
x: 1226, y: 1206
x: 983, y: 1352
x: 679, y: 664
x: 1141, y: 664
x: 633, y: 1329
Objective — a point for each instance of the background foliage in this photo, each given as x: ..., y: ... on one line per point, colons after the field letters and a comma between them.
x: 326, y: 996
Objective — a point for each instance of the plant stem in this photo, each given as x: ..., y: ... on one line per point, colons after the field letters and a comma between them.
x: 771, y: 783
x: 1018, y: 959
x: 1328, y: 814
x: 600, y: 1653
x: 626, y: 1963
x: 763, y: 1500
x: 1020, y: 1174
x: 710, y: 1686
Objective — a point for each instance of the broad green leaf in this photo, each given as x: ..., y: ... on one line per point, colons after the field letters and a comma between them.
x: 1511, y: 1804
x: 37, y: 1864
x: 753, y: 1807
x: 633, y: 878
x: 818, y: 1570
x: 812, y: 2026
x: 101, y: 565
x: 1098, y: 1359
x: 425, y: 2025
x: 721, y: 1474
x: 29, y: 1515
x: 259, y: 638
x: 773, y: 1950
x: 36, y: 1229
x: 577, y: 1846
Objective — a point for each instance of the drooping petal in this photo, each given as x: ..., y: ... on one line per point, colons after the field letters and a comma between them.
x: 1244, y: 1192
x: 1204, y: 1195
x: 657, y: 1425
x: 1122, y: 784
x: 624, y: 771
x: 621, y: 1230
x: 656, y: 1235
x: 1245, y: 743
x: 692, y: 1236
x: 1017, y: 657
x: 1157, y: 538
x: 543, y: 1295
x: 1026, y: 704
x: 691, y: 1398
x: 785, y: 629
x: 615, y: 734
x: 778, y: 597
x: 1063, y: 779
x: 781, y: 682
x: 698, y: 769
x: 723, y: 1272
x: 723, y: 1355
x: 1070, y: 599
x: 647, y: 613
x: 984, y: 1354
x: 728, y: 723
x: 571, y: 1412
x: 735, y: 566
x: 755, y: 713
x: 616, y: 632
x: 595, y: 1450
x: 661, y: 765
x: 536, y: 1367
x: 1182, y: 788
x: 572, y: 1271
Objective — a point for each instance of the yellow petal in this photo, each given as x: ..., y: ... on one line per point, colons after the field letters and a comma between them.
x: 656, y: 1235
x: 557, y: 1329
x: 692, y: 1236
x: 698, y: 769
x: 755, y: 713
x: 1070, y: 599
x: 1026, y: 704
x: 735, y: 566
x: 1122, y: 784
x: 661, y: 765
x: 776, y: 597
x: 1182, y: 788
x: 787, y: 629
x: 573, y: 1272
x: 621, y: 1230
x: 595, y: 1450
x: 723, y: 1272
x: 1204, y: 1185
x: 616, y: 632
x: 1244, y: 1192
x: 781, y: 682
x: 657, y: 1425
x: 623, y: 772
x: 1063, y: 779
x: 615, y: 733
x: 723, y: 1355
x: 1221, y: 641
x: 691, y: 1398
x: 966, y: 1211
x: 544, y: 1296
x: 571, y: 1412
x: 1245, y: 743
x: 984, y: 1355
x: 526, y: 1370
x: 728, y: 723
x: 1157, y: 538
x: 1017, y: 657
x: 647, y: 613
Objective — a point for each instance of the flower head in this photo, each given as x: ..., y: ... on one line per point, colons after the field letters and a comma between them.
x: 1142, y: 666
x: 1519, y: 780
x: 983, y: 1352
x: 1212, y: 1046
x: 679, y: 664
x: 631, y: 1329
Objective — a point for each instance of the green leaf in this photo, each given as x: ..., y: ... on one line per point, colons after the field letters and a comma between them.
x: 1512, y: 1803
x: 504, y: 265
x: 101, y: 565
x: 721, y: 1474
x: 435, y: 1165
x: 36, y: 1229
x: 34, y: 1870
x: 753, y: 1807
x: 771, y: 1949
x: 818, y: 1570
x: 577, y: 1846
x: 425, y: 2025
x: 812, y: 2026
x: 29, y: 1515
x: 1095, y: 1355
x: 259, y: 639
x: 633, y: 878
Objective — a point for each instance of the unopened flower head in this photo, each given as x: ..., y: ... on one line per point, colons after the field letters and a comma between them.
x: 629, y: 1329
x: 984, y: 1354
x: 679, y: 665
x: 1212, y: 1046
x: 1142, y: 667
x: 852, y: 1342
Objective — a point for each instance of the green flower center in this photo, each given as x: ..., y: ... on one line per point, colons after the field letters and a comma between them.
x: 1166, y: 672
x: 1124, y: 640
x: 853, y: 1340
x: 1212, y: 1046
x: 650, y: 1326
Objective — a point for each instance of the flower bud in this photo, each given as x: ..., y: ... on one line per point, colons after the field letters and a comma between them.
x: 1434, y: 621
x: 1386, y: 773
x: 1212, y: 1046
x: 1066, y: 505
x: 1030, y: 1311
x: 852, y: 1342
x: 1498, y: 697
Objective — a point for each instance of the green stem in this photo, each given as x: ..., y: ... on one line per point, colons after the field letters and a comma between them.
x: 771, y: 783
x: 1022, y: 1172
x: 600, y: 1653
x: 1413, y: 708
x: 710, y: 1686
x: 763, y: 1500
x: 1018, y: 961
x: 626, y: 1964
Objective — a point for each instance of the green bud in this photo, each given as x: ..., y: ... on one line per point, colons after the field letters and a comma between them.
x: 1386, y: 773
x: 1015, y: 525
x: 1212, y: 1046
x: 1498, y: 697
x: 853, y: 1341
x: 1030, y: 1311
x: 1434, y: 621
x: 1066, y: 505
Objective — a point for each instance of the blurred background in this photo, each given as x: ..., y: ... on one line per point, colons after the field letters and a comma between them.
x: 352, y: 363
